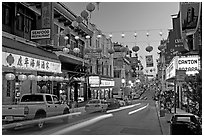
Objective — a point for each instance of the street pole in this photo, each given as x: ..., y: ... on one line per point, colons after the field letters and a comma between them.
x: 175, y: 95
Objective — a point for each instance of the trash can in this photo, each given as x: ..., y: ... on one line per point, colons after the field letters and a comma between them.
x: 162, y: 113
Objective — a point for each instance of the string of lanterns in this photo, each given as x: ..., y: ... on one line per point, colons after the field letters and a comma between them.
x: 22, y: 77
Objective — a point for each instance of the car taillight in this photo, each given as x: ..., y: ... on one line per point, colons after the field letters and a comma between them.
x: 26, y: 110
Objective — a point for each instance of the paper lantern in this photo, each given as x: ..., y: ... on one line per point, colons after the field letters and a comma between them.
x: 38, y: 78
x: 88, y: 37
x: 84, y: 14
x: 45, y: 78
x: 76, y: 37
x: 76, y: 50
x: 31, y: 77
x: 61, y: 78
x: 51, y: 78
x: 135, y: 48
x: 75, y: 24
x: 79, y: 19
x: 149, y: 48
x: 10, y: 76
x: 111, y: 51
x: 65, y: 50
x: 90, y: 7
x: 22, y: 77
x: 123, y: 49
x: 57, y: 78
x: 99, y: 50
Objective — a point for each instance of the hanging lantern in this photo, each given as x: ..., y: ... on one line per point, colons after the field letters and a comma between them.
x: 79, y: 19
x: 149, y: 48
x: 65, y: 50
x: 10, y: 76
x: 76, y: 50
x: 51, y: 78
x: 67, y: 79
x: 122, y: 35
x: 99, y: 50
x: 86, y: 50
x: 88, y: 37
x: 45, y: 78
x: 84, y: 14
x: 135, y: 34
x: 135, y: 48
x: 57, y: 78
x: 22, y: 77
x: 61, y: 78
x: 68, y: 46
x: 90, y: 7
x: 38, y: 78
x: 110, y: 35
x: 111, y: 51
x: 76, y: 37
x: 66, y: 37
x: 117, y: 49
x: 98, y: 36
x: 123, y: 49
x: 75, y: 24
x: 31, y: 77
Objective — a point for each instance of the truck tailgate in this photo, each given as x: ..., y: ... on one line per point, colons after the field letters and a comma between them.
x: 12, y: 110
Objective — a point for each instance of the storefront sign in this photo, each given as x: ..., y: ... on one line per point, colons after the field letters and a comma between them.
x: 104, y: 83
x: 171, y: 69
x: 94, y: 80
x: 190, y: 64
x: 40, y: 34
x: 29, y: 63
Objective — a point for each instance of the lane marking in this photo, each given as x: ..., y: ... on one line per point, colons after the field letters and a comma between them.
x: 121, y: 108
x: 134, y: 111
x: 83, y: 124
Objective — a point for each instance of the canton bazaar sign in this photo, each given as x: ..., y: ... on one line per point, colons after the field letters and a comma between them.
x: 29, y: 63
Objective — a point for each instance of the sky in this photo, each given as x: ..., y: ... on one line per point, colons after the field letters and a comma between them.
x: 130, y: 17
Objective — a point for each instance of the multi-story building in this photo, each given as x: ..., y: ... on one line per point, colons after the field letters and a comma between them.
x: 43, y: 50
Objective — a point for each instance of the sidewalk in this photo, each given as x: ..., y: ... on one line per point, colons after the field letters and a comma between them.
x: 165, y: 126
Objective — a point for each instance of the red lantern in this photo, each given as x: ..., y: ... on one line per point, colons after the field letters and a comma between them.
x: 149, y: 48
x: 79, y: 19
x: 90, y: 7
x: 38, y: 78
x: 76, y: 50
x: 51, y: 78
x: 65, y: 50
x: 135, y: 48
x: 99, y: 50
x: 45, y: 78
x: 123, y: 49
x: 111, y: 51
x: 84, y: 14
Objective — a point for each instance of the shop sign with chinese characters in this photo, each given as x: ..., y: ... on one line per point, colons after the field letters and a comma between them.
x: 29, y: 63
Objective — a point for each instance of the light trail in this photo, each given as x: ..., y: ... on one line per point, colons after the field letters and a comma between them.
x: 131, y: 112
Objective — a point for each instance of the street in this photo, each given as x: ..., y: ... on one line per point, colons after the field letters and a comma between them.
x: 140, y: 118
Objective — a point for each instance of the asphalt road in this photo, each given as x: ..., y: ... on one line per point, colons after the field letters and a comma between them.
x: 138, y: 119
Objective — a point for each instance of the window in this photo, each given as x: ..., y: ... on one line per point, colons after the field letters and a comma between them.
x: 8, y: 91
x: 32, y: 98
x: 6, y: 12
x: 117, y: 74
x: 48, y: 99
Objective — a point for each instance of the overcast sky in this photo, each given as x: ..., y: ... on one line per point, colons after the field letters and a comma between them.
x: 130, y: 17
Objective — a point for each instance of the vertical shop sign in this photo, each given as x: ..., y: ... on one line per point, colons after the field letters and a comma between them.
x: 149, y: 61
x: 190, y: 16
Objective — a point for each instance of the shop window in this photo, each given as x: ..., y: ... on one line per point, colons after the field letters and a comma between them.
x: 8, y: 91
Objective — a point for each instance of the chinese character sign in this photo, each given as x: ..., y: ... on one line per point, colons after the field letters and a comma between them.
x: 149, y: 61
x: 29, y: 63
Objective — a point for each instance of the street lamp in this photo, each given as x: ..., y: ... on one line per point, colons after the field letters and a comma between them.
x: 123, y: 84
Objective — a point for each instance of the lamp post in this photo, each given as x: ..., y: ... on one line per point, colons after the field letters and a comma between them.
x: 123, y: 85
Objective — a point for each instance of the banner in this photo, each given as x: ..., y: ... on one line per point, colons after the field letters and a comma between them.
x: 149, y: 61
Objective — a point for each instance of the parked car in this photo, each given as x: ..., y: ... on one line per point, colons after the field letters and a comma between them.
x: 113, y: 103
x: 185, y: 124
x: 80, y: 99
x: 34, y: 106
x: 95, y: 105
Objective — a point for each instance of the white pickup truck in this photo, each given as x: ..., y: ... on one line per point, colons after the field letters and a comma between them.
x: 34, y: 106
